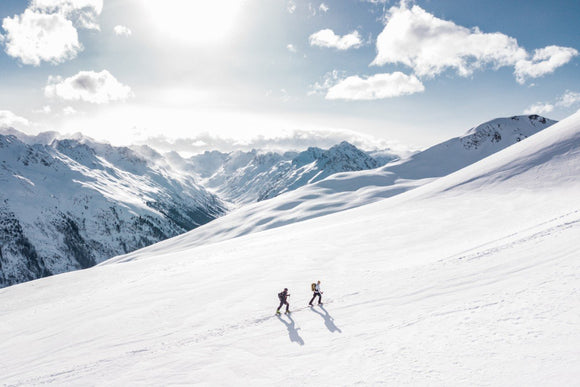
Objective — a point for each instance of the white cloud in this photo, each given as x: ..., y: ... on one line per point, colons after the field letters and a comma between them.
x: 34, y: 37
x: 329, y: 79
x: 539, y: 108
x: 291, y: 7
x: 569, y: 98
x: 47, y: 30
x: 68, y: 5
x: 83, y: 13
x: 377, y: 86
x: 312, y: 9
x: 295, y: 140
x: 291, y: 48
x: 327, y: 38
x: 544, y: 61
x: 430, y: 46
x: 9, y: 119
x: 566, y: 100
x: 323, y: 7
x: 122, y: 31
x: 88, y: 86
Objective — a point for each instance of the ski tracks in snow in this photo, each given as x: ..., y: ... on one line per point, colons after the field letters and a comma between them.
x: 546, y: 229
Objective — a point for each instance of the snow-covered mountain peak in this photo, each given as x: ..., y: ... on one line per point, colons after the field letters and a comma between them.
x: 81, y: 153
x: 349, y: 157
x: 478, y: 143
x: 15, y: 153
x: 512, y: 129
x: 44, y: 138
x: 344, y: 147
x: 308, y: 156
x: 343, y: 157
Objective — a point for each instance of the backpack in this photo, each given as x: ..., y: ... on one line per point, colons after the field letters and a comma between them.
x: 281, y: 296
x: 313, y: 287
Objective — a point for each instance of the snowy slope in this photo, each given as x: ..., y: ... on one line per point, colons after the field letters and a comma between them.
x: 69, y: 204
x: 478, y: 143
x: 342, y: 191
x: 469, y: 280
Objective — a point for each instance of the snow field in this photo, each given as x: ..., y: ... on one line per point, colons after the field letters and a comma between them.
x: 400, y: 313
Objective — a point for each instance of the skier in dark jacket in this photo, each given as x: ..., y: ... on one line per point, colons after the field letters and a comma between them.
x: 283, y: 296
x: 317, y: 293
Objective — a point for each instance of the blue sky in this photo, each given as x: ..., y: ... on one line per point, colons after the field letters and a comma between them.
x: 226, y: 74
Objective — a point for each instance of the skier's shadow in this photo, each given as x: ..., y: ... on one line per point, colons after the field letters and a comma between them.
x: 328, y: 320
x: 292, y: 330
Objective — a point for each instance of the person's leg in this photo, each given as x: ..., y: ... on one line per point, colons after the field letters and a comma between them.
x: 287, y: 306
x: 313, y: 297
x: 281, y: 303
x: 319, y: 298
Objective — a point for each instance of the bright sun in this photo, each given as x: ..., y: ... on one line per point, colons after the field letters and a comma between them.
x: 194, y: 21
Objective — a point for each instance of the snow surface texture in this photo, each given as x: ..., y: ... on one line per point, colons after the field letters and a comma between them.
x: 471, y: 279
x: 69, y: 204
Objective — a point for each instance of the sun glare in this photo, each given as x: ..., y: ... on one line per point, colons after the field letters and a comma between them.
x: 194, y: 21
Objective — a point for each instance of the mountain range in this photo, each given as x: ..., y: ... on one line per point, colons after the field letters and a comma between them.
x: 69, y: 204
x: 247, y: 177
